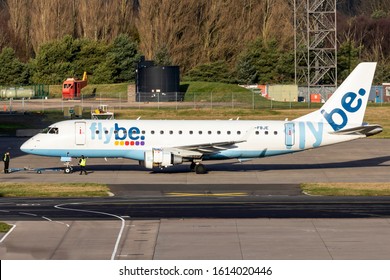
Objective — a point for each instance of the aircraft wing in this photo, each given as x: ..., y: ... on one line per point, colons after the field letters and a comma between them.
x: 198, y: 150
x: 367, y: 130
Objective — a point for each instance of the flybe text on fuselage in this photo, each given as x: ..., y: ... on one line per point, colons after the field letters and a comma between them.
x: 350, y: 102
x: 310, y: 134
x: 122, y: 136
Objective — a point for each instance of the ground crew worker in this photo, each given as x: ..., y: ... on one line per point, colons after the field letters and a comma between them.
x: 82, y: 163
x: 6, y: 159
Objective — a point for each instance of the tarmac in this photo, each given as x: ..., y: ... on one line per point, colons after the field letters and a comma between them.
x: 365, y: 160
x: 200, y: 239
x: 123, y: 238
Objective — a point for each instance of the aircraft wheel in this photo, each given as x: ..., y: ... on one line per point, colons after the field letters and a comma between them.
x: 200, y: 169
x: 192, y: 166
x: 67, y: 170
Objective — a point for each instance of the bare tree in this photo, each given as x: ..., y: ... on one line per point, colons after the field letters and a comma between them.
x: 97, y: 19
x: 127, y: 11
x: 19, y: 26
x: 190, y: 32
x: 373, y: 6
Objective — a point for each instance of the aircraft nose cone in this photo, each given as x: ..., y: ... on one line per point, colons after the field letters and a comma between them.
x: 23, y: 148
x: 26, y: 146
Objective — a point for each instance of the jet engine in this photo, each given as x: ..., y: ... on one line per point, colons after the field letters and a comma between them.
x: 160, y: 158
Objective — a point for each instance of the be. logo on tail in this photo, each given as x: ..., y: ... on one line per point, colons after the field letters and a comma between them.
x: 351, y: 103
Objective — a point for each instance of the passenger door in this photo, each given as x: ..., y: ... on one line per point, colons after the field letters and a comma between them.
x: 290, y: 134
x: 80, y: 133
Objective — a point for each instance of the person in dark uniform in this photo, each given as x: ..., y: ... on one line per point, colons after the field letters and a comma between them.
x: 6, y: 159
x: 82, y: 163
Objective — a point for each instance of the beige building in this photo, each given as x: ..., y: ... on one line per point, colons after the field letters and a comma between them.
x: 287, y: 93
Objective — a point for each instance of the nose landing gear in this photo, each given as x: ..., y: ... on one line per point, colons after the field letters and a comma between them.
x: 68, y: 168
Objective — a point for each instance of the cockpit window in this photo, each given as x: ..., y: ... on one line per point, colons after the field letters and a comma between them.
x: 46, y: 130
x: 50, y: 130
x: 53, y: 130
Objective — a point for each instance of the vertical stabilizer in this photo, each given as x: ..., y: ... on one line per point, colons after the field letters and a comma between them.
x: 346, y: 107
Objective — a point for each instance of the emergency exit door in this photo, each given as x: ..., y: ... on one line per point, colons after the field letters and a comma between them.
x: 290, y: 134
x: 80, y: 133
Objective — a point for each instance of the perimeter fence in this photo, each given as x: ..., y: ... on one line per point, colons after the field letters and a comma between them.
x: 175, y: 101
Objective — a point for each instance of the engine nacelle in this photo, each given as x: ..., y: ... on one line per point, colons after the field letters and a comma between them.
x: 160, y: 158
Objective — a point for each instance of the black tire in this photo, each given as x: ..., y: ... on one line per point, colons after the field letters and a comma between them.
x: 192, y: 166
x: 200, y: 169
x: 67, y: 170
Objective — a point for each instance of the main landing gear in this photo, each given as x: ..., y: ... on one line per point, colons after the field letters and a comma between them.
x: 198, y: 168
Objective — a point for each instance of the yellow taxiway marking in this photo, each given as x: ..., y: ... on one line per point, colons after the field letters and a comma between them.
x: 206, y: 194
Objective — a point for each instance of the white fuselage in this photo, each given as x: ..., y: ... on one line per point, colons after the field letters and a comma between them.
x: 132, y: 138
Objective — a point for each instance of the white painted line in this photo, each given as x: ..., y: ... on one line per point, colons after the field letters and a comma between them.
x: 60, y: 206
x: 8, y: 233
x: 50, y: 220
x: 61, y: 223
x: 28, y: 214
x: 308, y: 194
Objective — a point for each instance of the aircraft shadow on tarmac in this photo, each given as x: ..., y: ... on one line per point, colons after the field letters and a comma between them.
x: 237, y: 167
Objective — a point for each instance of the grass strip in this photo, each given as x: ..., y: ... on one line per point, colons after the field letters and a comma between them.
x: 346, y: 189
x: 4, y: 227
x: 53, y: 190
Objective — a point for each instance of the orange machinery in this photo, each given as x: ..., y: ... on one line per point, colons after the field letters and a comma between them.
x: 71, y: 88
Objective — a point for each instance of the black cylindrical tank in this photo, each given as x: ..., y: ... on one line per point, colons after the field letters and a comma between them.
x: 159, y: 79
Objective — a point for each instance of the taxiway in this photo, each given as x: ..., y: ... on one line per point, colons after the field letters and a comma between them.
x: 251, y: 210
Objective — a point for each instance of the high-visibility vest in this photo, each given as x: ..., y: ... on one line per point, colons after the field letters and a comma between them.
x: 83, y: 162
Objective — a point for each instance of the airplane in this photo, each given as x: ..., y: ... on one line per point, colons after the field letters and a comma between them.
x: 164, y: 143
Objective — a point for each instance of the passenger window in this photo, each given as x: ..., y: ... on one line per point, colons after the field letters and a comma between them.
x: 106, y: 132
x: 170, y: 132
x: 200, y: 131
x: 180, y: 132
x: 161, y: 131
x: 218, y: 132
x: 275, y: 132
x: 238, y: 132
x: 266, y: 132
x: 257, y: 132
x: 97, y: 131
x: 228, y: 132
x: 152, y: 132
x: 191, y: 132
x: 209, y: 132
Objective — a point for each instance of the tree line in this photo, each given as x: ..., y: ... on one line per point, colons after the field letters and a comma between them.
x: 216, y: 40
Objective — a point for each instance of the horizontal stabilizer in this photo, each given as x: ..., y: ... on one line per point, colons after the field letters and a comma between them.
x: 367, y: 130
